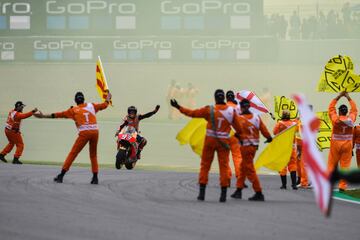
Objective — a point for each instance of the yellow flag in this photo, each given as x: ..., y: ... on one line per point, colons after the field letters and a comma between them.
x: 185, y: 134
x: 324, y: 133
x: 283, y: 103
x: 338, y: 76
x: 277, y: 154
x: 101, y: 84
x: 194, y: 134
x: 197, y: 139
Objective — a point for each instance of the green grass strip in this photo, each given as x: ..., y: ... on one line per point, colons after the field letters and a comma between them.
x: 352, y: 195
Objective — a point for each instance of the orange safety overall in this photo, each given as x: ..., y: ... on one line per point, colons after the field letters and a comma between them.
x: 216, y: 140
x: 13, y: 134
x: 341, y: 139
x: 298, y: 156
x: 304, y: 182
x: 279, y: 127
x: 85, y: 120
x: 249, y: 136
x: 301, y: 169
x: 356, y: 144
x: 234, y: 149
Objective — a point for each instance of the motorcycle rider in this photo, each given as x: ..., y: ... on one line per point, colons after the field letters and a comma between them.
x: 133, y: 119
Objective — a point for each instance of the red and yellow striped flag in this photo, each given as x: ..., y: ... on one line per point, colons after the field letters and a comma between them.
x: 101, y: 84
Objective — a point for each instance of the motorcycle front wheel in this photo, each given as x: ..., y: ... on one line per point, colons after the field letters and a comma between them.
x: 120, y: 158
x: 130, y: 165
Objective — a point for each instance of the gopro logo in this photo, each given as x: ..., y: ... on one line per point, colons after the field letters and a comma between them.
x: 124, y: 13
x: 141, y: 44
x: 204, y: 7
x: 190, y: 15
x: 89, y: 7
x: 218, y: 44
x: 212, y: 49
x: 62, y: 44
x: 57, y: 50
x: 142, y: 49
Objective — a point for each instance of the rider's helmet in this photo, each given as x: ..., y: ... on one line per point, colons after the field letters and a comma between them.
x: 132, y: 111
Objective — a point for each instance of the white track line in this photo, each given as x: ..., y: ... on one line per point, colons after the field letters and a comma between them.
x: 346, y: 200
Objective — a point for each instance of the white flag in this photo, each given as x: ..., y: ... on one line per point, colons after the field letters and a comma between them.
x: 315, y: 166
x: 256, y: 105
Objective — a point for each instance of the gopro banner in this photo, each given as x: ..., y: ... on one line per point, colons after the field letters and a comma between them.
x: 131, y: 17
x: 137, y: 49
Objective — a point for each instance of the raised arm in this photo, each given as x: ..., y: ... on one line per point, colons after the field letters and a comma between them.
x: 100, y: 106
x: 64, y: 114
x: 332, y: 107
x: 20, y: 115
x: 197, y: 113
x: 149, y: 114
x: 353, y: 109
x: 104, y: 105
x: 354, y: 137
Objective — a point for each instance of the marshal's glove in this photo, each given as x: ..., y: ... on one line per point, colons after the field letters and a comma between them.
x: 174, y: 103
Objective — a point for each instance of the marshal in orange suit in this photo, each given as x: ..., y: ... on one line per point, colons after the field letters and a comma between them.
x: 84, y: 115
x: 220, y: 118
x: 12, y: 132
x: 249, y: 135
x: 280, y: 126
x: 342, y: 135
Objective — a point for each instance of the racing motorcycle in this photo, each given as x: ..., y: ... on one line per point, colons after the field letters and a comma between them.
x: 127, y: 148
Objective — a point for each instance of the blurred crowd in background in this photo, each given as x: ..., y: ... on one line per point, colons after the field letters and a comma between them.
x: 341, y: 23
x: 186, y: 96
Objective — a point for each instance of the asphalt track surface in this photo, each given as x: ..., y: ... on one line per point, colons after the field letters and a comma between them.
x: 157, y: 205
